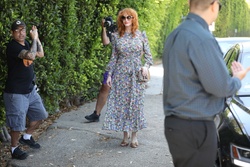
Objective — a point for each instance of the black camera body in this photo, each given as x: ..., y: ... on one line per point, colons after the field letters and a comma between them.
x: 110, y: 26
x: 108, y: 21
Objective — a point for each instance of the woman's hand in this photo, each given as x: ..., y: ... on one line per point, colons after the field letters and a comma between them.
x: 144, y: 71
x: 109, y: 81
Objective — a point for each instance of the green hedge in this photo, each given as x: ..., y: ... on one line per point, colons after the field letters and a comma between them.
x: 71, y: 71
x: 234, y: 15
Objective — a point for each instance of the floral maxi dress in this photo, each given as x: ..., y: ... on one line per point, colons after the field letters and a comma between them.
x: 126, y: 97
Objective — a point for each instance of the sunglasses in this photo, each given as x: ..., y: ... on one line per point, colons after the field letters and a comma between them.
x: 218, y: 3
x: 128, y: 17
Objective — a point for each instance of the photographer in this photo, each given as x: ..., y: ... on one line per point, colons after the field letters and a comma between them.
x: 20, y: 95
x: 105, y: 37
x: 104, y: 90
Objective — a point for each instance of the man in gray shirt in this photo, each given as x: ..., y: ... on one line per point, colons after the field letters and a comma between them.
x: 196, y: 83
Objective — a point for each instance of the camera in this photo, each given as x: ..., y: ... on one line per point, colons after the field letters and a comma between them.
x: 110, y: 25
x: 108, y: 21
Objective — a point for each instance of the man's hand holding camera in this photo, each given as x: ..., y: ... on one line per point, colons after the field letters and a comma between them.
x: 37, y: 47
x: 34, y: 33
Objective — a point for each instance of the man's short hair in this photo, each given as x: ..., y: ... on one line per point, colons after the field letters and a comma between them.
x: 201, y: 4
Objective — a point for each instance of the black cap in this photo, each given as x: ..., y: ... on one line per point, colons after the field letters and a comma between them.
x: 16, y: 24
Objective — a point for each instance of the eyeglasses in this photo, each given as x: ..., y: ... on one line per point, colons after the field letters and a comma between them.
x: 21, y: 30
x: 128, y: 17
x: 218, y: 4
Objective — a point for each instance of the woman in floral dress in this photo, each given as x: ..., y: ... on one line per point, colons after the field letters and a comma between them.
x: 126, y: 98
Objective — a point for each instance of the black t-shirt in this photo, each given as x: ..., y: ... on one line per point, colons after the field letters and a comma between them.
x: 20, y: 77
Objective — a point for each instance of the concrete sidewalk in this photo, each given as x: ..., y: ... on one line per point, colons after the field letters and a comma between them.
x: 73, y: 142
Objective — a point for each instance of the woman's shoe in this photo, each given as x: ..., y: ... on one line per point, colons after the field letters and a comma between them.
x: 134, y: 141
x: 134, y: 145
x: 124, y: 144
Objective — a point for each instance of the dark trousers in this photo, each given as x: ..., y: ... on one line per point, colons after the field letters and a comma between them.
x: 192, y: 143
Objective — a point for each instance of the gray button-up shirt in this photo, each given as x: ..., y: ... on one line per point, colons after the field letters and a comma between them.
x: 196, y: 79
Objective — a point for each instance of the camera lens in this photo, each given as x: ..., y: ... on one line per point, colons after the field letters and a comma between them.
x: 107, y: 24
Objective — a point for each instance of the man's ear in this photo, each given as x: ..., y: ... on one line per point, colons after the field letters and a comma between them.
x: 213, y: 7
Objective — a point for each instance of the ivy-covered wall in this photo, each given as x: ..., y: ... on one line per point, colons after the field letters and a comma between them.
x: 233, y: 19
x: 71, y: 71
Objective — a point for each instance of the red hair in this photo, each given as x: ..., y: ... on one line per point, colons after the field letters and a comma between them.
x: 135, y: 23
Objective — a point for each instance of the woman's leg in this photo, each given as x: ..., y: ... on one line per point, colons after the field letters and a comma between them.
x: 134, y: 141
x: 125, y: 142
